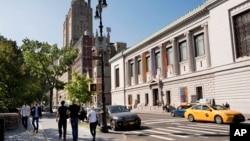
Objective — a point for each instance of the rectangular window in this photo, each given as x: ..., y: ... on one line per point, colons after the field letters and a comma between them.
x: 139, y: 67
x: 158, y: 60
x: 146, y: 99
x: 199, y: 45
x: 129, y: 100
x: 199, y: 94
x: 148, y: 64
x: 138, y: 98
x: 242, y: 33
x: 170, y: 55
x: 117, y: 81
x: 183, y: 51
x: 132, y: 69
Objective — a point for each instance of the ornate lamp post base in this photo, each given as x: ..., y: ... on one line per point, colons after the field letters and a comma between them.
x: 104, y: 129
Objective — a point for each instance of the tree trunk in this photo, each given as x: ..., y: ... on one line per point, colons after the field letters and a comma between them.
x: 51, y: 100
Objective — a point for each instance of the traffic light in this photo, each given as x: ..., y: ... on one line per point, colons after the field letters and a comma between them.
x: 94, y: 87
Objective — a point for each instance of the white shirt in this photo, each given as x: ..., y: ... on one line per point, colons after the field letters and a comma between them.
x: 92, y: 116
x: 25, y: 111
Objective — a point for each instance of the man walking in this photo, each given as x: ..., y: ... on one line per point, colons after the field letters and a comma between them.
x: 25, y: 113
x: 36, y: 113
x: 62, y: 122
x: 74, y: 110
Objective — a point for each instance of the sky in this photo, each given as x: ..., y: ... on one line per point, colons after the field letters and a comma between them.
x: 130, y: 21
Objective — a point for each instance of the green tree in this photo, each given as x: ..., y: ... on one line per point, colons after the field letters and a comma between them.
x: 48, y: 62
x: 79, y: 88
x: 11, y: 73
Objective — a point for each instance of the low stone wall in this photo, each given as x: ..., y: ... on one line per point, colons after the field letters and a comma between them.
x: 11, y: 120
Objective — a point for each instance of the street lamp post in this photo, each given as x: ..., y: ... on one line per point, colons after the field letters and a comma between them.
x: 102, y: 4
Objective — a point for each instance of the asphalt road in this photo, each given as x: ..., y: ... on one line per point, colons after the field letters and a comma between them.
x: 160, y: 127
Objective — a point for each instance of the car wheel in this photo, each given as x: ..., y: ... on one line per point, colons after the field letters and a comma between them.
x: 191, y: 118
x: 113, y: 125
x: 172, y: 114
x: 218, y: 119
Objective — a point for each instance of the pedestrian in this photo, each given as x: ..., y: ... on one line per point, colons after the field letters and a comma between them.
x: 73, y: 111
x: 61, y: 118
x: 227, y: 105
x: 36, y: 113
x: 167, y: 108
x: 25, y: 113
x: 93, y: 121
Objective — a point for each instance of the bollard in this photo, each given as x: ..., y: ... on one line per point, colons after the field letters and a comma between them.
x: 2, y: 129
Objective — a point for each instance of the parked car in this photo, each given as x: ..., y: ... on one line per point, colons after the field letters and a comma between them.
x: 55, y: 108
x: 180, y: 110
x: 213, y: 113
x: 118, y: 117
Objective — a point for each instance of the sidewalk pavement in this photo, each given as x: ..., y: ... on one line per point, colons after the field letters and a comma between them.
x: 52, y: 134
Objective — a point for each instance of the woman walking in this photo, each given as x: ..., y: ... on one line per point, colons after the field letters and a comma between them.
x: 93, y: 121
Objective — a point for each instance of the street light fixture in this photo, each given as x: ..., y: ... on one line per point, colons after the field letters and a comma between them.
x: 102, y: 4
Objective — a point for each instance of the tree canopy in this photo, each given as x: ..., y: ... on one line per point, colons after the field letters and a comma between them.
x: 12, y: 72
x: 79, y: 88
x: 48, y: 62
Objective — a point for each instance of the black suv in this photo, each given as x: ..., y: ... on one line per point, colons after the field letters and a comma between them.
x: 118, y: 117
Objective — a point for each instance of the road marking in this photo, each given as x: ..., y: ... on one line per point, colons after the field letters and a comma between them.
x: 212, y: 125
x: 155, y: 136
x: 209, y: 129
x: 190, y: 129
x: 160, y: 132
x: 164, y: 121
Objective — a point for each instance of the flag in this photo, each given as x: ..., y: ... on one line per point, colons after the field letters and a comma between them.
x: 144, y: 66
x: 153, y: 61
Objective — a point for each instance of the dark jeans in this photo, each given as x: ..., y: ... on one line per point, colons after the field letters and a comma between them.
x: 25, y: 122
x: 62, y: 124
x: 93, y: 129
x: 35, y: 119
x: 74, y: 125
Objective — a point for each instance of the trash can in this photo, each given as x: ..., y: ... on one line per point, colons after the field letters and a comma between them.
x: 2, y: 129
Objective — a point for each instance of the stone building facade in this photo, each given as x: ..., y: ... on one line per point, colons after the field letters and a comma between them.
x: 203, y: 54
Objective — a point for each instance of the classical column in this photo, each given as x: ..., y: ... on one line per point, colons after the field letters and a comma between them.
x: 175, y: 57
x: 206, y: 43
x: 190, y: 52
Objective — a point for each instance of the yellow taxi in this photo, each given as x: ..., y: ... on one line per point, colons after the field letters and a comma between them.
x: 213, y: 113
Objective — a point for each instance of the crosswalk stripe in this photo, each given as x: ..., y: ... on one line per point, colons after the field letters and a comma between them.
x: 188, y: 129
x: 208, y: 126
x: 153, y: 120
x: 204, y: 129
x: 160, y: 132
x: 164, y: 121
x: 155, y: 136
x: 172, y: 131
x: 212, y: 125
